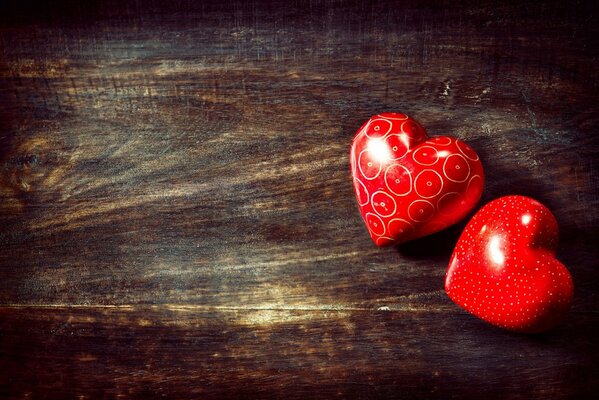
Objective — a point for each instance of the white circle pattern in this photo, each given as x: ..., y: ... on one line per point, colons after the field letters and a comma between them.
x: 454, y: 169
x: 375, y: 224
x: 421, y: 210
x: 379, y: 127
x: 426, y: 155
x: 404, y: 128
x: 403, y: 227
x: 397, y: 147
x: 384, y: 205
x: 430, y: 182
x: 398, y: 180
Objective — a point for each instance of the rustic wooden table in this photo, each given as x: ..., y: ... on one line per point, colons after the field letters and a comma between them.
x: 177, y: 215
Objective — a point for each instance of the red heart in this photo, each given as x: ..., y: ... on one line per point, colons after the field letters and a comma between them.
x: 504, y: 269
x: 409, y: 185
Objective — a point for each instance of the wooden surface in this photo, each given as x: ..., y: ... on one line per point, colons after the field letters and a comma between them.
x: 177, y: 216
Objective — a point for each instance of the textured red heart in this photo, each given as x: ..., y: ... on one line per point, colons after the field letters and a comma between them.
x: 409, y: 185
x: 504, y: 269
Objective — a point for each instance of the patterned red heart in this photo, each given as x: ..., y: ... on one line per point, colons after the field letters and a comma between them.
x: 409, y: 185
x: 504, y: 269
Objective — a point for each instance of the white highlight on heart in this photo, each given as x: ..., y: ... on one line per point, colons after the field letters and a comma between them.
x: 526, y: 218
x: 379, y: 150
x: 366, y: 156
x: 495, y: 251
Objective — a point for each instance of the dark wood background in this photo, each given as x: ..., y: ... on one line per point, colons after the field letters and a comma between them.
x: 177, y: 215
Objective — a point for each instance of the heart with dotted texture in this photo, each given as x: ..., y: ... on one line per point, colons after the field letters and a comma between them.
x: 504, y: 270
x: 409, y: 185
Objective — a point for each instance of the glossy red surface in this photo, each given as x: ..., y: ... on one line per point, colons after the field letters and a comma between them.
x: 504, y: 269
x: 409, y: 185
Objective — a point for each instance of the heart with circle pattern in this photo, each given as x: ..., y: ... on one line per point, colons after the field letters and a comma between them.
x: 409, y: 185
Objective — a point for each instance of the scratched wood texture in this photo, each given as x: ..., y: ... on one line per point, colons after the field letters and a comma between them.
x: 176, y: 211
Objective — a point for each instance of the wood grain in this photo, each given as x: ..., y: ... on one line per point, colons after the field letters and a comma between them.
x: 177, y: 216
x: 185, y: 352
